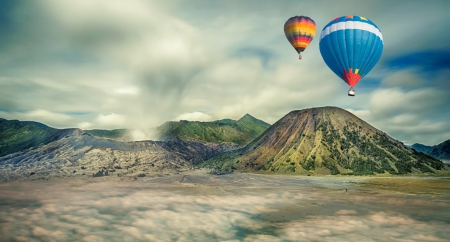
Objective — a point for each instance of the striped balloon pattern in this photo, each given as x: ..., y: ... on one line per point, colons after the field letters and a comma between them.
x: 351, y: 46
x: 300, y: 31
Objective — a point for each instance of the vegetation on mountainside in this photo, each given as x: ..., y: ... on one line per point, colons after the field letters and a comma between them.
x: 16, y: 135
x: 241, y: 131
x: 19, y: 135
x: 325, y: 141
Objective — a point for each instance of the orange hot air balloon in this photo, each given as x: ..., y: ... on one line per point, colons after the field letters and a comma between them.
x: 300, y: 31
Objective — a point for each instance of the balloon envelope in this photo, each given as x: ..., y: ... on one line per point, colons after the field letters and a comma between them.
x: 351, y: 46
x: 300, y: 31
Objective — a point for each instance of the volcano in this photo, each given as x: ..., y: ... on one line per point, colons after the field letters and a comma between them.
x: 325, y: 140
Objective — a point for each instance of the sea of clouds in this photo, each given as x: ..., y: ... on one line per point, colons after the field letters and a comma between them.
x: 152, y: 211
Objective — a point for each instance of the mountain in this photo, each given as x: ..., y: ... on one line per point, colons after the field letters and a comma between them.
x: 19, y: 135
x: 421, y: 148
x: 325, y: 140
x: 34, y: 149
x: 239, y: 132
x: 79, y: 153
x: 441, y: 151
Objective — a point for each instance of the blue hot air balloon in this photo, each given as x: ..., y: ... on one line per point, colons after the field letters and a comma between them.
x: 351, y: 46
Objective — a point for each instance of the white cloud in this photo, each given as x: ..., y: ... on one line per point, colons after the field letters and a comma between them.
x: 84, y: 125
x: 409, y: 115
x: 150, y: 61
x: 127, y: 90
x: 41, y: 113
x: 393, y: 101
x: 110, y: 121
x: 404, y: 78
x: 194, y: 116
x: 143, y: 134
x: 45, y: 116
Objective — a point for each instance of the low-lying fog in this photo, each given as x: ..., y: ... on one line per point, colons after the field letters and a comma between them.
x: 202, y: 207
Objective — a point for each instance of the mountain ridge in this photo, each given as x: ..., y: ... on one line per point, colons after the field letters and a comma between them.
x: 421, y: 148
x: 325, y: 140
x: 241, y: 132
x: 18, y: 135
x: 441, y: 151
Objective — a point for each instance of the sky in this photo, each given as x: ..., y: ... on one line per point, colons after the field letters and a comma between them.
x: 135, y: 64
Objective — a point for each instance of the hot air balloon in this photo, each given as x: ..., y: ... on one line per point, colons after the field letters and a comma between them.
x: 351, y: 46
x: 300, y: 31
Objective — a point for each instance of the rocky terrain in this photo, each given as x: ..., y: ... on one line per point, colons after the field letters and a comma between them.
x: 34, y: 150
x: 326, y: 140
x: 115, y: 134
x: 78, y: 153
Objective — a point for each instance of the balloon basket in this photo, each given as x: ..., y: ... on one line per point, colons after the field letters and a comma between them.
x: 351, y: 92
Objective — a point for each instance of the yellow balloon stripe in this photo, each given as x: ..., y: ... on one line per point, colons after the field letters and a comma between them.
x: 300, y: 30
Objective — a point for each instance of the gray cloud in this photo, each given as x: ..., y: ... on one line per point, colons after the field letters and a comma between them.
x: 409, y: 109
x: 71, y: 64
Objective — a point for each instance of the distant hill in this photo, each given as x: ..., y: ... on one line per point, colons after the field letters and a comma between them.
x: 240, y: 132
x: 421, y: 148
x: 325, y: 140
x: 441, y: 151
x: 19, y: 135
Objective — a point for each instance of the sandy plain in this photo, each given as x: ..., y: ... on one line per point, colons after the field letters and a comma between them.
x: 196, y: 206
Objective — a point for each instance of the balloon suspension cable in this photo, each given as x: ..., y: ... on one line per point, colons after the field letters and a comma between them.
x: 351, y: 92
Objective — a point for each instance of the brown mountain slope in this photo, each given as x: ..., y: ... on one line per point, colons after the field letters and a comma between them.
x: 325, y: 140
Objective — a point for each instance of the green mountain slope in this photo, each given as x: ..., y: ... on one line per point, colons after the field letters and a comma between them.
x: 19, y: 135
x: 326, y: 140
x: 241, y: 131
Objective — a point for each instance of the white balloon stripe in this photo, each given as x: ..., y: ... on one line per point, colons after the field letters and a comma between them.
x: 351, y: 25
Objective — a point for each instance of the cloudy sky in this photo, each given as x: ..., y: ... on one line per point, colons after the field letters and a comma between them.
x: 135, y: 64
